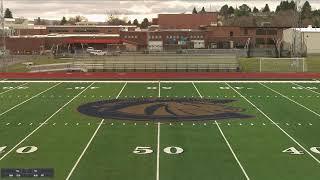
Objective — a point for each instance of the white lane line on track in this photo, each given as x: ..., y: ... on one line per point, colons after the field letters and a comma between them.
x: 290, y: 99
x: 227, y: 142
x: 84, y: 150
x: 150, y: 81
x: 30, y: 99
x: 158, y: 152
x: 43, y: 123
x: 306, y: 88
x: 13, y: 88
x: 121, y: 90
x: 317, y: 160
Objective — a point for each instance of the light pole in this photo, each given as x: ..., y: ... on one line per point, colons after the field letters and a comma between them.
x: 3, y: 49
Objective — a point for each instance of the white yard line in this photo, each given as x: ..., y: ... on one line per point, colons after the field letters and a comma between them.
x: 29, y: 99
x: 197, y: 89
x: 84, y: 150
x: 182, y: 81
x: 234, y: 154
x: 291, y: 100
x: 295, y: 141
x: 13, y: 88
x: 227, y: 142
x: 158, y: 153
x: 306, y: 88
x: 121, y: 90
x: 159, y: 87
x: 45, y: 122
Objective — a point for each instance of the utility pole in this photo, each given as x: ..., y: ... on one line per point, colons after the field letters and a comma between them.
x: 297, y: 33
x: 3, y: 34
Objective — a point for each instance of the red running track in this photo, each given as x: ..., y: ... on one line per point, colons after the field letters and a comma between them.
x: 158, y: 75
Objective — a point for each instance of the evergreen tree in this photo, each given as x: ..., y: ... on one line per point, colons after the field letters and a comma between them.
x: 194, y: 11
x: 63, y: 21
x: 129, y: 22
x: 145, y: 23
x: 136, y: 22
x: 255, y: 10
x: 266, y: 9
x: 306, y: 11
x: 8, y: 13
x: 203, y: 10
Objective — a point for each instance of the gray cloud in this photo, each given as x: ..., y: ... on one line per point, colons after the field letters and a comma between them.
x: 97, y: 10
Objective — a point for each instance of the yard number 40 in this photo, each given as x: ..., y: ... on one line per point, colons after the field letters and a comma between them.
x: 295, y: 151
x: 148, y: 150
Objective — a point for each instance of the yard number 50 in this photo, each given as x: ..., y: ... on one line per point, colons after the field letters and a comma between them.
x: 148, y: 150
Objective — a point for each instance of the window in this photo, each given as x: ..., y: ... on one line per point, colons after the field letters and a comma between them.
x: 245, y: 31
x: 231, y: 34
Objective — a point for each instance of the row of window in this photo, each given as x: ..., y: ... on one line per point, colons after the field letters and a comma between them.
x: 131, y: 37
x: 76, y: 30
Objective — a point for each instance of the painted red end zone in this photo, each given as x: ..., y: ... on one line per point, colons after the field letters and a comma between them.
x: 195, y: 76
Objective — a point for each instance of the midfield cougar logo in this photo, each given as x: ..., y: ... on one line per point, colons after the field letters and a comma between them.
x: 163, y: 109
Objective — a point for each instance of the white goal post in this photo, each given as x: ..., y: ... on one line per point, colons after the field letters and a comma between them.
x: 295, y: 64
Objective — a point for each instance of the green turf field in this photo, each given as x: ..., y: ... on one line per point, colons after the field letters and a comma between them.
x: 40, y: 127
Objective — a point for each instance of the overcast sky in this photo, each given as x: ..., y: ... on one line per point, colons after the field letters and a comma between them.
x: 97, y: 10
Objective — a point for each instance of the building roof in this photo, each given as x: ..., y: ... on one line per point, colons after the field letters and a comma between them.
x: 67, y: 35
x: 308, y: 29
x: 186, y: 21
x: 88, y: 26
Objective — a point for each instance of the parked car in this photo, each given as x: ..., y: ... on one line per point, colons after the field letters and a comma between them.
x: 99, y: 53
x: 90, y: 49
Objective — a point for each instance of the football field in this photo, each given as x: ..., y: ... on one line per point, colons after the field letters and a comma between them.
x: 122, y: 130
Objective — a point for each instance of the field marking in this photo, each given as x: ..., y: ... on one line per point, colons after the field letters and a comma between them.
x: 290, y: 99
x: 227, y: 142
x: 121, y: 90
x: 84, y: 150
x: 168, y: 81
x: 197, y: 90
x: 159, y: 87
x: 233, y: 153
x: 13, y: 88
x: 158, y: 153
x: 43, y: 123
x: 29, y: 99
x: 276, y: 124
x: 306, y: 88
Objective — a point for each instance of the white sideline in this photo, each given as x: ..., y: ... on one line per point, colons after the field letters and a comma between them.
x: 227, y: 142
x: 29, y: 99
x: 13, y: 88
x: 306, y: 88
x: 45, y: 122
x: 159, y: 87
x: 121, y: 90
x: 168, y: 81
x: 295, y: 141
x: 158, y: 153
x: 291, y: 100
x: 84, y: 150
